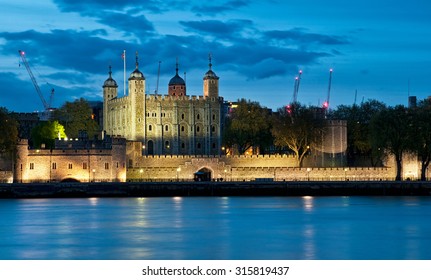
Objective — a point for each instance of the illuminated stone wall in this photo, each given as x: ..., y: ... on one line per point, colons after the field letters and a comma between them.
x: 72, y: 160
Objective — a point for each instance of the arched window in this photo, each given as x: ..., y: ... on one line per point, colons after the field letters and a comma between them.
x: 166, y: 128
x: 182, y: 116
x: 150, y: 127
x: 199, y: 145
x: 182, y: 128
x: 198, y: 129
x: 198, y: 116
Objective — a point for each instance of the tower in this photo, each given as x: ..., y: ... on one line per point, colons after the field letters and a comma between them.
x: 177, y: 85
x: 110, y: 91
x: 210, y: 81
x: 136, y: 103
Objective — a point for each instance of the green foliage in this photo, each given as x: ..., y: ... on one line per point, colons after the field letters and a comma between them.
x: 391, y: 131
x: 46, y: 133
x: 8, y: 133
x: 76, y: 116
x: 298, y: 129
x: 358, y: 119
x: 248, y: 125
x: 420, y: 131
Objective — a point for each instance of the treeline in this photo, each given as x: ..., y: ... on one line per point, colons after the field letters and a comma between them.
x: 374, y: 131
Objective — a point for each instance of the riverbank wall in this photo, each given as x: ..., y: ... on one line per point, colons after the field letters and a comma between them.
x: 159, y: 189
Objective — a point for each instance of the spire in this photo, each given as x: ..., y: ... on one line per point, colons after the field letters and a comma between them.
x: 176, y: 68
x: 210, y: 63
x: 137, y: 63
x: 110, y: 72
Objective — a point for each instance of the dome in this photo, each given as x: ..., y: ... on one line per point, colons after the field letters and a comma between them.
x: 136, y: 74
x: 210, y: 75
x: 177, y: 80
x: 110, y: 82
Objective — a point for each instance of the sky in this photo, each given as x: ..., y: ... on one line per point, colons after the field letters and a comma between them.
x: 377, y: 49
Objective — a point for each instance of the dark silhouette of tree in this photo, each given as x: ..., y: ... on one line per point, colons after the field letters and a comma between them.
x: 46, y: 133
x: 421, y: 134
x: 8, y: 133
x: 247, y: 125
x: 391, y: 132
x: 75, y: 117
x: 358, y: 119
x: 298, y: 128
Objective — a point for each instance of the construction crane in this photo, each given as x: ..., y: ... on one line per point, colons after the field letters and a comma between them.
x: 296, y: 87
x: 295, y: 92
x: 326, y: 103
x: 46, y: 105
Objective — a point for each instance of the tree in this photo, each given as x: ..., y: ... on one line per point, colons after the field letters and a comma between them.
x: 421, y: 134
x: 46, y: 133
x: 248, y: 125
x: 390, y: 130
x: 8, y: 133
x: 76, y: 116
x: 297, y: 128
x: 358, y: 119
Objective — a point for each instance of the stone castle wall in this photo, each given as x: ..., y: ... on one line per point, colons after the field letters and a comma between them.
x: 245, y: 168
x: 71, y: 161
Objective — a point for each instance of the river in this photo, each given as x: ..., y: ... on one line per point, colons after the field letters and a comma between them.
x: 216, y: 228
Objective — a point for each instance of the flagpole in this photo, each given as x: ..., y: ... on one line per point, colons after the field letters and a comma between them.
x: 124, y: 61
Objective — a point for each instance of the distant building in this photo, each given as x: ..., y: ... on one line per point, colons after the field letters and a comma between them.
x: 172, y: 124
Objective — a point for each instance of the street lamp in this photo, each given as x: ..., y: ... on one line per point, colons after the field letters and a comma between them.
x: 141, y: 171
x: 308, y: 173
x: 94, y: 175
x: 345, y: 176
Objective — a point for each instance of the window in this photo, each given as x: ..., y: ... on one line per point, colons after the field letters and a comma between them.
x: 182, y: 128
x: 213, y: 128
x: 117, y: 164
x: 198, y: 129
x: 31, y: 165
x: 167, y: 145
x: 214, y: 117
x: 54, y: 165
x: 199, y: 145
x: 183, y: 146
x: 166, y: 127
x: 69, y: 166
x: 214, y: 145
x: 198, y: 116
x: 182, y: 116
x: 84, y: 165
x: 150, y: 127
x: 106, y: 165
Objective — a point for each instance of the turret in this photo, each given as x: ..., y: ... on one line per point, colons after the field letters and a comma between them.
x: 210, y: 82
x: 110, y: 91
x: 177, y: 85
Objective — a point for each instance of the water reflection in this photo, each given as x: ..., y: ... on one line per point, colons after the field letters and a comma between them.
x: 217, y: 228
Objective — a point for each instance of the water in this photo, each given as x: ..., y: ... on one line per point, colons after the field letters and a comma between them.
x: 346, y: 228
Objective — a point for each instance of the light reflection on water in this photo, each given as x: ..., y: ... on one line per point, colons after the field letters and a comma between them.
x: 217, y: 228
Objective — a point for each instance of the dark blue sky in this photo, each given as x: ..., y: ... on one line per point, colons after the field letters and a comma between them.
x: 377, y: 48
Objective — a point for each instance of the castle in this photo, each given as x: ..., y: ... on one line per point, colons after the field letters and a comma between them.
x: 173, y: 124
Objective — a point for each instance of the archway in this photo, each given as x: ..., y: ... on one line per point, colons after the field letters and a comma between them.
x: 150, y: 147
x: 70, y: 180
x: 204, y: 174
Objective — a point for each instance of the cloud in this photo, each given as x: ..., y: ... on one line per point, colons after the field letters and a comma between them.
x: 212, y: 9
x: 298, y: 35
x: 217, y: 28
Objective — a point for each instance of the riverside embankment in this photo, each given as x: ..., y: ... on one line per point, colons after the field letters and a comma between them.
x: 152, y: 189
